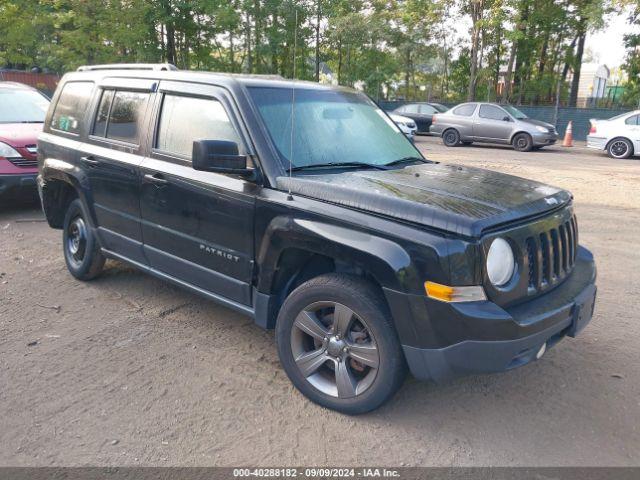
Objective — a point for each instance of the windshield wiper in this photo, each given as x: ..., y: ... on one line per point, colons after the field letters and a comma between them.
x: 32, y: 121
x: 337, y: 165
x: 406, y: 160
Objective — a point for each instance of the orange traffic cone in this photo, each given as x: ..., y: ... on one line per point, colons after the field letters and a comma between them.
x: 568, y: 136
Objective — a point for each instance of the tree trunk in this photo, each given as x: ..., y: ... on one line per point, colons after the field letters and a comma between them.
x: 476, y: 16
x: 575, y: 81
x: 318, y: 13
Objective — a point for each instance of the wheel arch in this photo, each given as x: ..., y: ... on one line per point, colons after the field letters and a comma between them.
x: 294, y: 251
x: 57, y: 191
x: 518, y: 132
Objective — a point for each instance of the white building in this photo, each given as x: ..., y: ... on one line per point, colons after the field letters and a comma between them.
x: 593, y: 83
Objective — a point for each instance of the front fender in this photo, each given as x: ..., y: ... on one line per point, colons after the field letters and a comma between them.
x: 384, y: 259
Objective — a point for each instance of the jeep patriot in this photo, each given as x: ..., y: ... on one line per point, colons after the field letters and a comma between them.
x: 305, y: 207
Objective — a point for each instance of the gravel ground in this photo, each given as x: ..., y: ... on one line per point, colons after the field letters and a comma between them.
x: 128, y: 370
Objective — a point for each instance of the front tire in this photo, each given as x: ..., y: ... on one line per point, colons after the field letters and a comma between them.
x: 522, y: 142
x: 81, y: 250
x: 451, y: 137
x: 620, y: 148
x: 337, y: 344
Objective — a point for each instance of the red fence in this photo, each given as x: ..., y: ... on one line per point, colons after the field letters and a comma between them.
x: 45, y: 82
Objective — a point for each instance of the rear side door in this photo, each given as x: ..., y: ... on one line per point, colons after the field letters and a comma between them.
x: 197, y: 226
x: 492, y: 123
x: 112, y: 156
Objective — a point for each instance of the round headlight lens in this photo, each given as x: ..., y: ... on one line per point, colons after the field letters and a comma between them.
x: 500, y: 262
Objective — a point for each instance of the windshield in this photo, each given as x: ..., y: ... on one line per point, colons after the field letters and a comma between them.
x: 331, y: 127
x: 514, y: 112
x: 22, y: 106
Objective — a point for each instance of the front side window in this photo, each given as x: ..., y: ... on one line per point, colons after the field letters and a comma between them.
x: 22, y: 106
x: 465, y: 110
x: 633, y: 120
x: 72, y: 104
x: 329, y: 127
x: 514, y: 112
x: 492, y: 113
x: 185, y: 119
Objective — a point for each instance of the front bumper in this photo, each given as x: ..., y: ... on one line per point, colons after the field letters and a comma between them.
x: 18, y: 184
x: 481, y: 337
x: 542, y: 139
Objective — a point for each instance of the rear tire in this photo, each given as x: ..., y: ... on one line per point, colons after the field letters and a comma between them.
x: 451, y: 137
x: 620, y: 148
x: 81, y: 250
x: 522, y: 142
x: 337, y: 344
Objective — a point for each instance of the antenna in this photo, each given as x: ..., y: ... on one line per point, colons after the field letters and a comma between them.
x: 293, y: 101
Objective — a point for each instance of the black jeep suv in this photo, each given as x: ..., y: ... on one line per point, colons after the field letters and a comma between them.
x: 305, y: 207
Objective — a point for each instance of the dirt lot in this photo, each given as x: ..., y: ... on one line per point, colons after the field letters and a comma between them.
x: 128, y: 370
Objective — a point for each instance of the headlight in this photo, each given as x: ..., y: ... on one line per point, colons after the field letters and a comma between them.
x: 542, y: 129
x: 8, y: 152
x: 500, y: 262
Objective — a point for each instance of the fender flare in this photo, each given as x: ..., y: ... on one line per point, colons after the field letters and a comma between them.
x: 384, y: 259
x: 63, y: 171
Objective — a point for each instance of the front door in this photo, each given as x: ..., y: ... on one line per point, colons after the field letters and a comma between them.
x: 492, y: 123
x: 197, y: 226
x: 111, y: 156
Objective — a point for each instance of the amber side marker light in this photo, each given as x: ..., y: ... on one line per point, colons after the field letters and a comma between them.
x: 445, y: 293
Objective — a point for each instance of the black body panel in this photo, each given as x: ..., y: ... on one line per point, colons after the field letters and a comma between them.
x: 462, y: 200
x: 245, y: 242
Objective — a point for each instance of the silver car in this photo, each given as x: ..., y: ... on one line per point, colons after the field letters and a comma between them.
x: 492, y: 123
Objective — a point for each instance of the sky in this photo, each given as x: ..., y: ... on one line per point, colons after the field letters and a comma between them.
x: 606, y: 45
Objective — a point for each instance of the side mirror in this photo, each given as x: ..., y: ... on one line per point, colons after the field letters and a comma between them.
x: 220, y: 156
x: 506, y: 119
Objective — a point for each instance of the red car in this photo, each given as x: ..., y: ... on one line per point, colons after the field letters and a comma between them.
x: 22, y: 112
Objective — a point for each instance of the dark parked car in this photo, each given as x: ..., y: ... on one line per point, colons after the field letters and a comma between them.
x: 22, y: 112
x: 422, y: 113
x: 492, y: 123
x: 324, y: 223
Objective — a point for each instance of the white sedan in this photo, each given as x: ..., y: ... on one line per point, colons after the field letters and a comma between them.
x: 619, y: 136
x: 405, y: 124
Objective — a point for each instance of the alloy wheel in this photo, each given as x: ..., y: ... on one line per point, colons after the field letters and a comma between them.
x: 619, y: 148
x: 334, y: 349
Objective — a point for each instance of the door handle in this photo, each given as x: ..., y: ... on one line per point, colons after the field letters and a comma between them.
x: 156, y: 179
x: 89, y: 160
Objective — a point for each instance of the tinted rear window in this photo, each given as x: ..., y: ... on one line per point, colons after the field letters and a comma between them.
x: 465, y: 110
x: 126, y: 112
x: 492, y: 113
x: 120, y: 114
x: 72, y: 104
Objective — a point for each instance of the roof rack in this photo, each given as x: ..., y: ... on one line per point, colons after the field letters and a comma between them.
x: 128, y: 66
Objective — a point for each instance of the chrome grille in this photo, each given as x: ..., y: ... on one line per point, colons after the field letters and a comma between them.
x: 551, y: 255
x: 23, y: 162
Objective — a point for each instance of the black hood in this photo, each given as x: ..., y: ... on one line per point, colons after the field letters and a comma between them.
x: 456, y: 199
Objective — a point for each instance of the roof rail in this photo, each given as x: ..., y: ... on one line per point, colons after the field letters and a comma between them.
x: 128, y: 66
